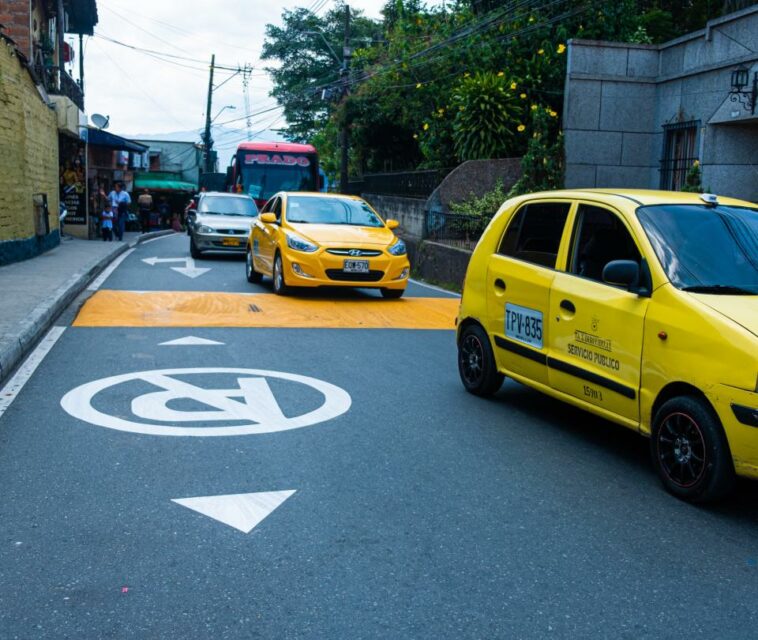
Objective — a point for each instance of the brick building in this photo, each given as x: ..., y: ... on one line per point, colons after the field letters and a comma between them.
x: 640, y: 115
x: 41, y: 107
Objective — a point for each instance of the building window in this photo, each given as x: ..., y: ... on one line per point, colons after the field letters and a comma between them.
x: 679, y: 153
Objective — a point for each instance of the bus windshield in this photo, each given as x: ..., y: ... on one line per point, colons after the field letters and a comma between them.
x: 261, y: 180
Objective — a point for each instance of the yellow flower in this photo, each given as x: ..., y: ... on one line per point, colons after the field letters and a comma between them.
x: 500, y: 74
x: 533, y: 107
x: 540, y: 52
x: 531, y: 18
x: 696, y: 163
x: 415, y: 136
x: 520, y: 128
x: 553, y: 114
x: 426, y: 126
x: 466, y: 75
x: 523, y: 96
x: 418, y: 85
x: 561, y: 48
x: 440, y: 111
x: 513, y: 86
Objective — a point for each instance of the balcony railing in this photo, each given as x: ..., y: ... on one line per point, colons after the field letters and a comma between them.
x: 57, y: 82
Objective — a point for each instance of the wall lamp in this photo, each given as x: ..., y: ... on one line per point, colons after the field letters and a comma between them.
x: 740, y: 93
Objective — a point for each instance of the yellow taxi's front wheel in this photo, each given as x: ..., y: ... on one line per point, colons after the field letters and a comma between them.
x: 476, y: 362
x: 690, y: 450
x: 280, y: 284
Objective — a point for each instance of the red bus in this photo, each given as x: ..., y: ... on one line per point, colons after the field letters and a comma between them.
x: 260, y: 169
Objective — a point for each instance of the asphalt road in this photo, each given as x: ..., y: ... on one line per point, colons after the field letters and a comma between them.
x: 419, y: 511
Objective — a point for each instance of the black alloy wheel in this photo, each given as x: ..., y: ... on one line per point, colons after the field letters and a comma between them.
x: 476, y: 362
x: 690, y: 450
x: 252, y: 275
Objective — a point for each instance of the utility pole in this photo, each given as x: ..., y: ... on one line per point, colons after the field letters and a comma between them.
x: 207, y: 135
x: 344, y: 141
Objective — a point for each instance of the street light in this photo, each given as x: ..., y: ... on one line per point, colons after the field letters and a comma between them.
x: 229, y: 106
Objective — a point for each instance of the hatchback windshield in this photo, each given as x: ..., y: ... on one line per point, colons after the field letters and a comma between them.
x: 705, y: 249
x: 227, y: 206
x: 328, y: 210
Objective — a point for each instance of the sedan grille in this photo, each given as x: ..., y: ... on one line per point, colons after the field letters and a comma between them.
x: 232, y: 232
x: 346, y: 276
x: 355, y: 253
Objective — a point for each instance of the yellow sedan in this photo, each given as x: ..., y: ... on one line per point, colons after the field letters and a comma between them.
x: 317, y: 239
x: 638, y: 306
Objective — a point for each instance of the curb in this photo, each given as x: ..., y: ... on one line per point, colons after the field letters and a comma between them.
x: 44, y: 316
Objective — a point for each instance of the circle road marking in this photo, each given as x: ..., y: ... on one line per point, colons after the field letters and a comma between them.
x: 258, y: 404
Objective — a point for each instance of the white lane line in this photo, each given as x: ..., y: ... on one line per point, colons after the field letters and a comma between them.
x: 98, y: 282
x: 168, y: 235
x: 13, y: 387
x: 431, y: 286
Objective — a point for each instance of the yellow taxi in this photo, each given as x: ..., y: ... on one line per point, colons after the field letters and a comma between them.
x: 316, y: 239
x: 638, y: 306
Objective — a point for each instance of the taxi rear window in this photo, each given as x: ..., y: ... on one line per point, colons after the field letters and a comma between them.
x: 534, y: 233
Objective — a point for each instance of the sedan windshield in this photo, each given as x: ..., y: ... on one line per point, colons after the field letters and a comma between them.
x: 227, y: 206
x: 331, y: 210
x: 705, y: 249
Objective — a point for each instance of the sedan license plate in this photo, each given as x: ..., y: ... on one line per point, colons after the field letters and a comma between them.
x: 355, y: 266
x: 230, y: 242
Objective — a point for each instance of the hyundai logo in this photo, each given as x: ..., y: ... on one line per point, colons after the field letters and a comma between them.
x: 354, y: 252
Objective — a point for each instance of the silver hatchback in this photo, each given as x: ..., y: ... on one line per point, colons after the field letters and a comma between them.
x: 221, y: 222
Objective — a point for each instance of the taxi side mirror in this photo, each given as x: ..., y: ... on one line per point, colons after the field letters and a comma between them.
x: 392, y: 224
x: 268, y: 218
x: 622, y: 273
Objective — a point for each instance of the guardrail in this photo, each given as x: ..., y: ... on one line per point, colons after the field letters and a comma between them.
x: 408, y: 184
x: 454, y: 229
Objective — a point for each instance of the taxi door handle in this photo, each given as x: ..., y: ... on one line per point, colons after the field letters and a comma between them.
x: 499, y: 284
x: 567, y: 305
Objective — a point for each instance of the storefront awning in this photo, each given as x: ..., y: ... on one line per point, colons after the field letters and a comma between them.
x: 162, y: 184
x: 101, y: 138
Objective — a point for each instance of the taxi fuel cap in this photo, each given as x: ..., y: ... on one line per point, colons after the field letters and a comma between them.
x: 709, y: 198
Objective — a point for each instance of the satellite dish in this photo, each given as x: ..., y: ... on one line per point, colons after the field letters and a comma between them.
x: 101, y: 122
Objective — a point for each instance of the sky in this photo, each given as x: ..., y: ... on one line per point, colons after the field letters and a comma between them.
x: 148, y: 95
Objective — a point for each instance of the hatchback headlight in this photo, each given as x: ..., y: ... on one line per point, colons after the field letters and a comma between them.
x: 398, y: 249
x: 300, y: 244
x: 205, y: 229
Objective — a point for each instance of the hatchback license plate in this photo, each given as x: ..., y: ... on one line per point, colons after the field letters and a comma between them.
x: 356, y: 266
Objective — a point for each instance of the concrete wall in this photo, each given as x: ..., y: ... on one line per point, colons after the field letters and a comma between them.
x: 28, y: 160
x: 619, y: 97
x: 439, y: 263
x: 409, y: 212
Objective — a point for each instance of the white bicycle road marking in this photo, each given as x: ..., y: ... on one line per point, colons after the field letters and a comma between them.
x: 252, y: 401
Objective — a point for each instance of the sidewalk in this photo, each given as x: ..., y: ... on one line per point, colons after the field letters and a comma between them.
x: 35, y: 292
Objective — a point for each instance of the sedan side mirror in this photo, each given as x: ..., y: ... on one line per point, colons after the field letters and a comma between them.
x: 392, y: 224
x: 622, y: 273
x: 268, y: 218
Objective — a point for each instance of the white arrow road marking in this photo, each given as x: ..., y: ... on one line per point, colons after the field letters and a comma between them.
x: 189, y: 341
x: 243, y: 511
x: 189, y: 269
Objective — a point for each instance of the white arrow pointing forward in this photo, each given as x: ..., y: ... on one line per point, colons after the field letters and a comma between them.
x: 243, y: 511
x: 189, y: 269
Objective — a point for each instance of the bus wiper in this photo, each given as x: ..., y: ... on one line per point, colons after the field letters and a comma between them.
x: 723, y: 289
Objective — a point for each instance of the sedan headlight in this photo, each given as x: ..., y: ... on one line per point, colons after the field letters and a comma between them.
x: 398, y: 249
x: 300, y: 244
x: 205, y: 229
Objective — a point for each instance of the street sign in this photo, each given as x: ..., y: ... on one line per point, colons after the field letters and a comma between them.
x: 189, y: 269
x: 243, y: 511
x: 162, y: 412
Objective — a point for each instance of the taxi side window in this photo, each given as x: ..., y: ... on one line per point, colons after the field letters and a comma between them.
x: 599, y: 238
x: 534, y: 233
x: 267, y: 207
x: 277, y: 209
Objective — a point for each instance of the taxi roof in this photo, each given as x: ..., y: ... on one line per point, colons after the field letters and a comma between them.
x: 641, y: 197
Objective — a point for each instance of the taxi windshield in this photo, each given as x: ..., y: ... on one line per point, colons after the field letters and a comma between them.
x: 705, y: 249
x: 331, y: 210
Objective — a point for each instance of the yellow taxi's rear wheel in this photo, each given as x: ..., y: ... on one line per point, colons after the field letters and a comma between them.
x: 476, y: 362
x: 280, y: 284
x: 250, y: 272
x: 690, y: 450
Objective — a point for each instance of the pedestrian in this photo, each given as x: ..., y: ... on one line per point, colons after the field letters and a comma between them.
x: 120, y: 202
x: 164, y: 210
x: 106, y: 222
x: 145, y: 203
